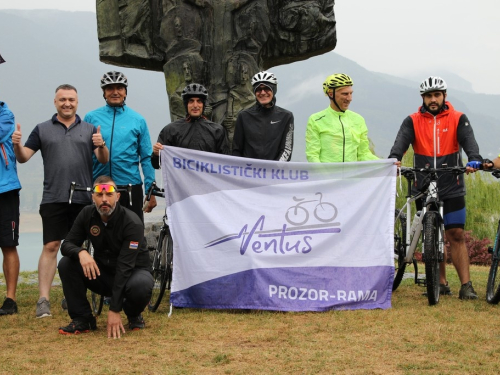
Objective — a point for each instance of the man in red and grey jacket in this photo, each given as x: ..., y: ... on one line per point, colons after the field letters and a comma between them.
x: 438, y: 133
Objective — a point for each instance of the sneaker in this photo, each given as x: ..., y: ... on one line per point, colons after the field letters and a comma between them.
x: 444, y: 290
x: 43, y: 308
x: 136, y: 323
x: 79, y: 325
x: 9, y: 307
x: 467, y: 291
x: 64, y: 304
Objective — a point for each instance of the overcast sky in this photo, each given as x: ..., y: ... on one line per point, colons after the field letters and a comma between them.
x: 399, y: 37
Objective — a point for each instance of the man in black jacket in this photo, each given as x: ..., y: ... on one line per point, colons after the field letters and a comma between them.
x: 264, y: 131
x: 194, y: 131
x: 120, y: 266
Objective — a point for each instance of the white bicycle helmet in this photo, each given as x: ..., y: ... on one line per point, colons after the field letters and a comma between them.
x: 264, y: 77
x: 432, y: 84
x: 111, y: 78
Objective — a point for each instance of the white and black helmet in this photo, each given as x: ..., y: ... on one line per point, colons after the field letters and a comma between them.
x: 264, y: 77
x: 194, y: 90
x: 432, y: 84
x: 111, y: 78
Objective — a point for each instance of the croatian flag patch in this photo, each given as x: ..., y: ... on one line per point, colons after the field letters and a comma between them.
x: 134, y: 245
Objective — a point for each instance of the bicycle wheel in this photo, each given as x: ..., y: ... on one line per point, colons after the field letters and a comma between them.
x: 493, y: 285
x: 300, y: 218
x: 328, y: 210
x: 399, y: 248
x: 159, y: 271
x: 97, y: 303
x: 170, y: 258
x: 431, y: 257
x: 96, y: 300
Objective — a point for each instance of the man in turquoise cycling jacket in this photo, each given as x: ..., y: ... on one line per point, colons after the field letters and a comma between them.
x: 127, y: 137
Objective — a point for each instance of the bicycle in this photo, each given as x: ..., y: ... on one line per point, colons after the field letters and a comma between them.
x: 303, y: 217
x: 427, y: 224
x: 493, y: 285
x: 162, y: 256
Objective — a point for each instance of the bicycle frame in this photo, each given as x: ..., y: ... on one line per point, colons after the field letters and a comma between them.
x: 414, y: 225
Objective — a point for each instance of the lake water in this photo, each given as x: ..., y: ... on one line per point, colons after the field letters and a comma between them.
x: 31, y: 243
x: 29, y: 249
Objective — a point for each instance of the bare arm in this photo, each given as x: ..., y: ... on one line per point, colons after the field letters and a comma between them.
x: 23, y: 154
x: 101, y: 152
x: 496, y: 162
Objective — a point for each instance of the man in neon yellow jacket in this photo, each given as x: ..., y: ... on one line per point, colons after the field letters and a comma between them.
x: 336, y: 134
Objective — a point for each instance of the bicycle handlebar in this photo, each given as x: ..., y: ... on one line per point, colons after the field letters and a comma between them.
x: 121, y: 188
x: 409, y: 173
x: 494, y: 172
x: 153, y: 190
x: 75, y: 187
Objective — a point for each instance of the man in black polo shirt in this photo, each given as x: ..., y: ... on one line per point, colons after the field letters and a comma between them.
x: 66, y: 143
x: 120, y: 267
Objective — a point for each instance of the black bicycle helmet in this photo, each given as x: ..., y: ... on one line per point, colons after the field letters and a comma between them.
x: 194, y: 90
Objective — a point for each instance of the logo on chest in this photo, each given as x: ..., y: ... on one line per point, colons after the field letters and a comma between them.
x: 95, y: 230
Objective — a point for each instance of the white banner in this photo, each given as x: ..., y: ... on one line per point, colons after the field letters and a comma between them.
x: 255, y: 234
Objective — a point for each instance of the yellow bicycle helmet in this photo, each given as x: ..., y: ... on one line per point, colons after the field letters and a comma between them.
x: 335, y: 81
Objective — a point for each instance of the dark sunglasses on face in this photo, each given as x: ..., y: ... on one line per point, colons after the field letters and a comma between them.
x: 262, y: 88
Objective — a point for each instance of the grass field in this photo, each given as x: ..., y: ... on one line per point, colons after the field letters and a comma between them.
x: 453, y: 337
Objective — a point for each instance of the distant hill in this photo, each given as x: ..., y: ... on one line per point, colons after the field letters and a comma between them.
x: 46, y: 48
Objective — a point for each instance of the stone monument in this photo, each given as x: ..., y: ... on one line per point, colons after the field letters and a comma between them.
x: 218, y: 43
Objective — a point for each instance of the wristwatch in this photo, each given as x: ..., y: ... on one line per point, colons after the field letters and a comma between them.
x: 103, y: 144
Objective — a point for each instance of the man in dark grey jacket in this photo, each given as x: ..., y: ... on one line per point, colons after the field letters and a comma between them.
x: 194, y: 131
x: 264, y: 131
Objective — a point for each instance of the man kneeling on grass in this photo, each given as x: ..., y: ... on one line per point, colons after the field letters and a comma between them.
x: 120, y: 267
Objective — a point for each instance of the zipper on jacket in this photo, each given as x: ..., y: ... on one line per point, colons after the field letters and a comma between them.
x: 343, y: 142
x: 111, y: 143
x: 435, y: 141
x: 4, y: 153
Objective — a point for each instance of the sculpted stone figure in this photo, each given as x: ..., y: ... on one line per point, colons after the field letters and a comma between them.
x: 219, y: 43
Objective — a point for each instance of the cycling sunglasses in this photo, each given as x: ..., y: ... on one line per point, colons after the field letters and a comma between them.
x: 106, y: 187
x: 263, y: 88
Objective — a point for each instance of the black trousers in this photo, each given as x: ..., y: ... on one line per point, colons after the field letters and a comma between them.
x: 75, y: 285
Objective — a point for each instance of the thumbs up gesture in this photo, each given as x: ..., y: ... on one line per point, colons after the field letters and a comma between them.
x: 16, y: 136
x: 97, y: 138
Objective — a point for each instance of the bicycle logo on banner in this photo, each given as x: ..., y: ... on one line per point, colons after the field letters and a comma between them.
x: 324, y: 212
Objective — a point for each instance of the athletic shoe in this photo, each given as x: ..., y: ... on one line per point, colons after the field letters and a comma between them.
x: 43, y: 308
x: 136, y: 323
x: 9, y: 307
x: 467, y: 291
x: 444, y: 290
x: 64, y: 304
x: 79, y: 325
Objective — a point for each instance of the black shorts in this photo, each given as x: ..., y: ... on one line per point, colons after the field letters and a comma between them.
x: 57, y: 219
x: 9, y: 218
